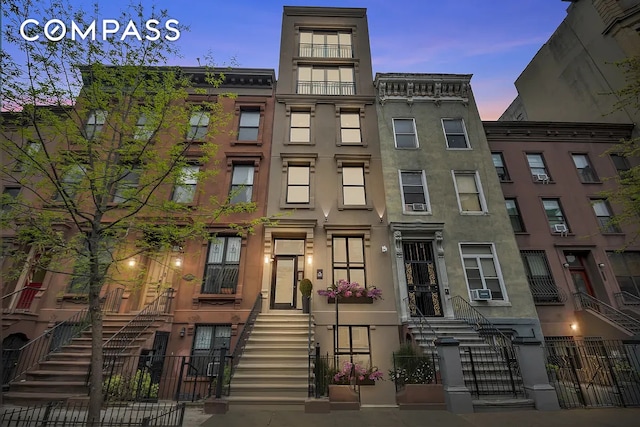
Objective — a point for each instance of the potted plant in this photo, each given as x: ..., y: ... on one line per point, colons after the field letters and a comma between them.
x: 415, y: 378
x: 306, y: 287
x: 341, y: 389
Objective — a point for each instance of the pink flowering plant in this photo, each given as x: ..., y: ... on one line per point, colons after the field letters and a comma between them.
x: 353, y: 373
x: 344, y: 289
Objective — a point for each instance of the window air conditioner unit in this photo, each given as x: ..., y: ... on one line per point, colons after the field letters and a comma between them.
x: 418, y: 207
x: 542, y: 177
x: 481, y: 294
x: 560, y: 228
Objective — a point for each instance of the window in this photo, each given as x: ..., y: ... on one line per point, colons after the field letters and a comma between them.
x: 126, y: 185
x: 353, y: 345
x: 319, y: 44
x: 481, y: 269
x: 414, y: 191
x: 300, y: 127
x: 554, y: 215
x: 95, y: 122
x: 501, y: 169
x: 80, y: 279
x: 221, y: 271
x: 185, y: 189
x: 31, y: 149
x: 142, y: 132
x: 603, y: 215
x: 585, y: 170
x: 455, y: 133
x: 350, y: 128
x: 348, y: 259
x: 71, y: 180
x: 404, y: 131
x: 326, y: 81
x: 9, y: 195
x: 620, y: 162
x: 249, y: 125
x: 514, y: 215
x: 468, y: 190
x: 626, y: 267
x: 298, y: 184
x: 241, y: 184
x: 537, y: 167
x: 543, y: 287
x: 353, y: 185
x: 198, y: 124
x: 207, y: 342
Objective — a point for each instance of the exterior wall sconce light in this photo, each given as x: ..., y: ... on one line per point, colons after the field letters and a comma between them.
x: 326, y: 217
x: 601, y: 265
x: 384, y: 249
x: 309, y: 259
x: 266, y: 259
x: 178, y: 262
x: 132, y: 262
x: 183, y: 332
x: 565, y: 265
x: 574, y: 326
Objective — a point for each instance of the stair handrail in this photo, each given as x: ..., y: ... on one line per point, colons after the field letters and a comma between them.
x: 583, y: 301
x: 34, y: 352
x: 246, y: 331
x: 464, y: 311
x: 141, y: 322
x: 623, y: 298
x: 421, y: 317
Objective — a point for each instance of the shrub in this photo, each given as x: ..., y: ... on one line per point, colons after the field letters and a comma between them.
x: 306, y: 287
x: 411, y: 366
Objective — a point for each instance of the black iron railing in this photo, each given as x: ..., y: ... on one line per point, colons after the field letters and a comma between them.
x: 62, y: 414
x: 488, y: 372
x: 488, y: 331
x: 246, y: 332
x: 626, y: 299
x: 583, y: 301
x: 52, y: 340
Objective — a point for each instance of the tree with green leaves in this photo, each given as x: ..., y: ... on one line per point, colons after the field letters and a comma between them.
x: 626, y: 195
x: 102, y: 142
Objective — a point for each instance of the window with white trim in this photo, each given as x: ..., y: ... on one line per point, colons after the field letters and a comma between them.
x: 414, y: 191
x: 455, y: 133
x: 185, y: 189
x: 404, y: 133
x: 468, y: 191
x: 207, y: 342
x: 198, y: 125
x: 481, y: 269
x: 242, y: 184
x: 95, y: 123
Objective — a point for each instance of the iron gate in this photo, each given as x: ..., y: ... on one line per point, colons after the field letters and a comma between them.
x: 593, y: 372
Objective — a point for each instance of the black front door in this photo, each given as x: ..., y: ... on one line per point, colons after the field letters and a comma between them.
x: 422, y: 280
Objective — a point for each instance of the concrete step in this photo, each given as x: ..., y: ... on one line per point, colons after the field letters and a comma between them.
x: 60, y: 376
x: 65, y: 365
x: 66, y: 356
x: 62, y: 387
x: 275, y: 350
x: 271, y: 390
x: 267, y: 401
x: 20, y: 398
x: 269, y: 378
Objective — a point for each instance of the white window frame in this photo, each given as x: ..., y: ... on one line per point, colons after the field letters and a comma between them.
x: 483, y: 204
x: 464, y: 133
x: 425, y: 191
x: 415, y: 133
x: 496, y: 263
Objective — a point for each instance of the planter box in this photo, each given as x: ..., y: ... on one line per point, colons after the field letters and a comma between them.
x: 351, y: 300
x: 421, y: 396
x: 343, y: 397
x: 365, y: 381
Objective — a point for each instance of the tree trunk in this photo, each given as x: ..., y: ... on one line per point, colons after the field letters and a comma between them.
x: 95, y: 313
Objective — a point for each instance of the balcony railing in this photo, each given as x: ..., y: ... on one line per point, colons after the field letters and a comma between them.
x: 315, y: 50
x: 326, y: 88
x: 220, y: 279
x: 544, y: 290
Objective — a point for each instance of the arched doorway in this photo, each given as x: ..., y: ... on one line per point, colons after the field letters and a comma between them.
x: 10, y: 354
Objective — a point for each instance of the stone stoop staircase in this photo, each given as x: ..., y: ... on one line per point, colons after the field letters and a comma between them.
x: 64, y: 374
x: 489, y: 374
x: 274, y: 367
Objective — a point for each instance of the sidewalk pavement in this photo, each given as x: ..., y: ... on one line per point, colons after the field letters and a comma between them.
x: 244, y: 416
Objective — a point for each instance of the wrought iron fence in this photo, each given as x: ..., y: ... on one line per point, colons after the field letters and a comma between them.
x: 152, y: 378
x: 415, y: 369
x: 488, y: 331
x: 593, y: 372
x: 61, y: 414
x: 489, y: 372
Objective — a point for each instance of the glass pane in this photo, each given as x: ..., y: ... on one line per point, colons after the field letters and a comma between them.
x: 511, y: 207
x: 580, y: 160
x: 241, y: 193
x: 453, y: 126
x: 199, y: 118
x: 184, y: 193
x: 470, y: 263
x: 304, y: 74
x: 357, y: 276
x: 202, y: 340
x: 189, y: 175
x: 488, y: 267
x: 352, y: 176
x: 289, y: 247
x: 356, y: 250
x: 305, y: 37
x: 299, y: 194
x: 216, y: 249
x: 497, y: 160
x: 476, y: 249
x: 285, y: 276
x: 340, y: 274
x: 456, y: 141
x: 537, y: 266
x: 360, y: 338
x: 242, y: 175
x: 535, y: 160
x: 331, y: 39
x: 250, y: 118
x: 343, y: 339
x: 600, y: 208
x: 248, y: 134
x: 234, y: 245
x: 405, y: 141
x: 333, y: 75
x: 344, y: 39
x: 354, y: 196
x: 340, y: 249
x: 470, y: 203
x: 346, y: 75
x: 411, y: 178
x: 299, y: 135
x: 403, y: 125
x: 299, y: 175
x: 494, y: 286
x: 466, y: 184
x: 350, y: 120
x: 351, y: 135
x: 300, y: 119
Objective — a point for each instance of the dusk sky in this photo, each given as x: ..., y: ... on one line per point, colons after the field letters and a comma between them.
x: 493, y: 40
